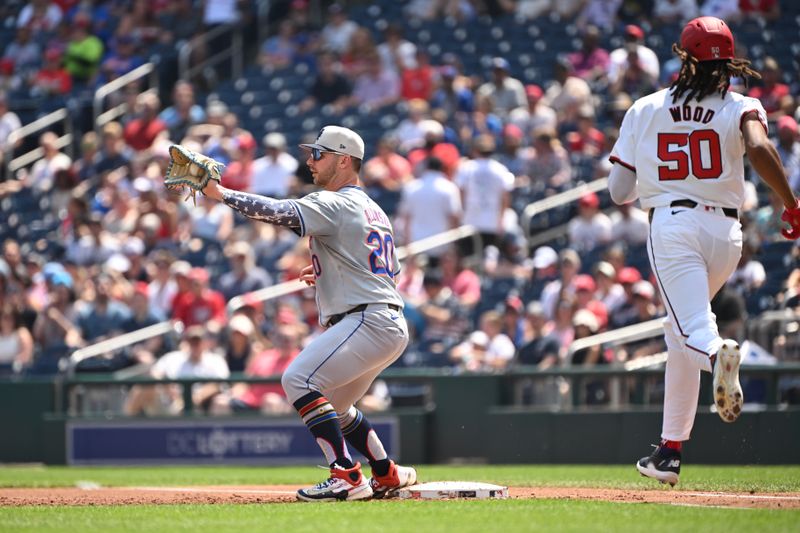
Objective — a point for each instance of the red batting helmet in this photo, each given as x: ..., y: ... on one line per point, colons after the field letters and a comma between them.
x: 707, y: 39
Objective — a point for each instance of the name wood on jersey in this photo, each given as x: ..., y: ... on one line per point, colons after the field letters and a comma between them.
x: 374, y: 215
x: 694, y: 113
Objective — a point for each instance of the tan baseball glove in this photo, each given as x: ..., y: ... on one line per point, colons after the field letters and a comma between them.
x: 191, y: 170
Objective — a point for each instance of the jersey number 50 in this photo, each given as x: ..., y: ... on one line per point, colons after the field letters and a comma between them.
x: 680, y: 163
x: 381, y: 258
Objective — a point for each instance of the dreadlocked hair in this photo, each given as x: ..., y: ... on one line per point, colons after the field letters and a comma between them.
x: 698, y: 79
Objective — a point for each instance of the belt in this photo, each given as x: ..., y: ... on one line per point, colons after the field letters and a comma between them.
x: 691, y: 204
x: 335, y: 319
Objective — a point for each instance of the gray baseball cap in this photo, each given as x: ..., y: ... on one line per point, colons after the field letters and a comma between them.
x: 338, y: 140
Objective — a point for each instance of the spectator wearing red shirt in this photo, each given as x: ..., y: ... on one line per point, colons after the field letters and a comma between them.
x: 435, y: 146
x: 418, y: 82
x: 587, y: 139
x: 238, y: 175
x: 585, y: 289
x: 52, y: 79
x: 388, y: 169
x: 201, y: 304
x: 141, y: 132
x: 771, y: 92
x: 768, y: 9
x: 270, y: 397
x: 360, y: 53
x: 464, y: 282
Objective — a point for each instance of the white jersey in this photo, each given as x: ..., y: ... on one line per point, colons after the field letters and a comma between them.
x: 352, y: 250
x: 430, y: 202
x: 692, y: 151
x: 484, y: 182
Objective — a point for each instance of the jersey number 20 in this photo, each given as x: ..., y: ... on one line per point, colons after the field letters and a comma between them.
x: 680, y: 163
x: 381, y: 259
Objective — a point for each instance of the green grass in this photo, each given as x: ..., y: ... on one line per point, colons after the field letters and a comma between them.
x: 405, y: 517
x: 693, y: 477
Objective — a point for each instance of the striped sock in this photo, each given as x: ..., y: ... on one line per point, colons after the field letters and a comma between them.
x: 361, y: 436
x: 321, y: 419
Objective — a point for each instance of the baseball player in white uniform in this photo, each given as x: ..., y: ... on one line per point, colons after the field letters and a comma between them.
x: 680, y: 151
x: 354, y: 268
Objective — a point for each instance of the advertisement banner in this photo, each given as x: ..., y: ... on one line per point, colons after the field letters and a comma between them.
x: 204, y: 441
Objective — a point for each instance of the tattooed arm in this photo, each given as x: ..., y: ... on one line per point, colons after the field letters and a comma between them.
x: 257, y: 207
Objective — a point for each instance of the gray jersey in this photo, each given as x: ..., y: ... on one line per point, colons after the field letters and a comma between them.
x: 352, y: 250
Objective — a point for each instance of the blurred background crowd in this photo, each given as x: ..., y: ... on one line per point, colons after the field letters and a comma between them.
x: 471, y: 110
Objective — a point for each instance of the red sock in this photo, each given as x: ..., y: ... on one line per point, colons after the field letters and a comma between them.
x: 672, y: 444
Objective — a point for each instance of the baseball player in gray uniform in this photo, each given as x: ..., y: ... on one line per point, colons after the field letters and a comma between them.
x: 680, y: 151
x: 354, y: 268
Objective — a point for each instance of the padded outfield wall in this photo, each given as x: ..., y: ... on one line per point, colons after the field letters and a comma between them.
x: 464, y: 418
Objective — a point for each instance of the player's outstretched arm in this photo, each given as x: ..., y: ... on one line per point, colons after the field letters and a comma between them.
x: 263, y: 208
x: 765, y: 159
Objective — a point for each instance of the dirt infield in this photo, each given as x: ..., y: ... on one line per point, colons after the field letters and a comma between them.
x: 285, y: 494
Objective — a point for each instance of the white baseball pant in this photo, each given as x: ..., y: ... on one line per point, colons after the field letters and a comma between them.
x: 692, y: 252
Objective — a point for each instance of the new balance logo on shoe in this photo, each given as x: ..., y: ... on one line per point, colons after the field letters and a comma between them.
x: 663, y: 465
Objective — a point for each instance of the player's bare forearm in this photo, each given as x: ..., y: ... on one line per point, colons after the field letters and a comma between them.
x: 263, y: 208
x: 765, y: 160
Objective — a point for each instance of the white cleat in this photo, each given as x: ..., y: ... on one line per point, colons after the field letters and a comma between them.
x: 343, y: 485
x: 398, y: 477
x: 728, y: 396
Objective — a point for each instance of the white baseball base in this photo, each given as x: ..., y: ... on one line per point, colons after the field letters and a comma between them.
x: 449, y: 490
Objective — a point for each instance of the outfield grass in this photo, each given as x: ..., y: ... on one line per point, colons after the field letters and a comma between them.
x: 400, y: 517
x: 406, y: 516
x: 693, y: 477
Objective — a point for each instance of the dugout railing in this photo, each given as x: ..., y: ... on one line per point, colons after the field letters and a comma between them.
x: 101, y: 118
x: 44, y: 123
x: 557, y: 200
x: 233, y: 54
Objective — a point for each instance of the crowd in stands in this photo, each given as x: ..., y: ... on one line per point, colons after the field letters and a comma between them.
x: 472, y: 145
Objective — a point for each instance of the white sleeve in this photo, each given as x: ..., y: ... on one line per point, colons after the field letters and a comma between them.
x: 758, y: 275
x: 624, y: 151
x: 753, y: 105
x: 455, y: 202
x: 167, y: 364
x: 508, y: 180
x: 460, y: 178
x: 572, y: 229
x: 292, y: 164
x: 502, y: 347
x: 604, y: 227
x: 622, y: 185
x: 221, y: 369
x: 402, y: 205
x: 25, y: 16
